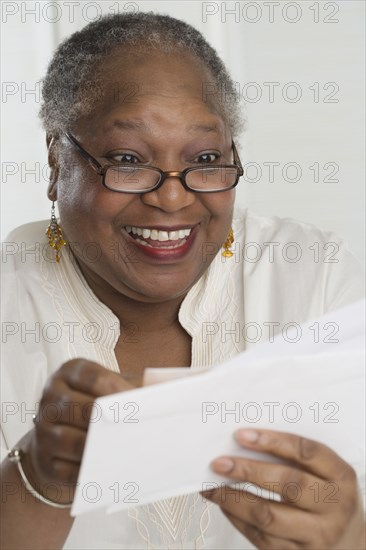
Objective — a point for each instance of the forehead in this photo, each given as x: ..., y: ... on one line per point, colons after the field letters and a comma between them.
x: 176, y: 70
x: 157, y: 86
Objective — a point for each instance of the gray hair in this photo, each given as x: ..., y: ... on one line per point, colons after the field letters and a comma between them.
x: 72, y: 85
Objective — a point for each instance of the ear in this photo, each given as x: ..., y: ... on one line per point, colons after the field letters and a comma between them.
x: 51, y: 142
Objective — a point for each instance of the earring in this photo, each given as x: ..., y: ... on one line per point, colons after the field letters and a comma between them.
x: 227, y: 252
x: 54, y: 234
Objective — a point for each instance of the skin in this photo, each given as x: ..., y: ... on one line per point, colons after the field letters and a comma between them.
x: 321, y: 506
x: 144, y: 289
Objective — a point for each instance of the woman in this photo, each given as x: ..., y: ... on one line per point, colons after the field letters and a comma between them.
x: 143, y: 168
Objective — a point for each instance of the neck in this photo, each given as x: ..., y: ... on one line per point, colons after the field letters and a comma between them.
x: 146, y: 317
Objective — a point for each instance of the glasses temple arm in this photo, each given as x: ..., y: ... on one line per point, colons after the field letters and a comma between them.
x: 92, y: 161
x: 236, y: 157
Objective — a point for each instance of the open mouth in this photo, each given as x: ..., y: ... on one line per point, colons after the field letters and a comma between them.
x: 157, y: 238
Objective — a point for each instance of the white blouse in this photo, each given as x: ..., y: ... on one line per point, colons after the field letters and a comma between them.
x: 282, y: 272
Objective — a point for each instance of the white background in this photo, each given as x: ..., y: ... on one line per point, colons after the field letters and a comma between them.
x: 293, y: 45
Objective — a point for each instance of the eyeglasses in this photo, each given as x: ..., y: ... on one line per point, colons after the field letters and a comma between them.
x: 138, y: 178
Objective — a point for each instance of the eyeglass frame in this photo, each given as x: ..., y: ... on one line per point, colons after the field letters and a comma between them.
x: 102, y: 170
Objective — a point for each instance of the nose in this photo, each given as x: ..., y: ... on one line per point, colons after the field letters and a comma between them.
x: 171, y: 196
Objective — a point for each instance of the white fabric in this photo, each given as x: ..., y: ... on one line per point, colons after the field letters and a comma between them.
x: 237, y: 294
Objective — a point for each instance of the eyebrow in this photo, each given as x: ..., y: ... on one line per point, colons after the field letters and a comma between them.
x: 138, y: 124
x: 203, y: 128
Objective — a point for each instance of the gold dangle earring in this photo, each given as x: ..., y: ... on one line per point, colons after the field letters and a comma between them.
x: 54, y: 234
x: 227, y: 252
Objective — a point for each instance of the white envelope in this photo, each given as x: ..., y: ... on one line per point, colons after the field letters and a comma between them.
x: 157, y: 442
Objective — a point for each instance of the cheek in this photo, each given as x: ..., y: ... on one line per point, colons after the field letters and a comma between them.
x: 82, y: 200
x: 220, y: 206
x: 77, y: 189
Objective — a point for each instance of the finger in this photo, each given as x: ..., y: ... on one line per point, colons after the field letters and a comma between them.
x: 259, y: 538
x: 309, y: 454
x: 268, y: 517
x: 66, y: 442
x: 57, y: 453
x: 63, y: 405
x: 93, y: 379
x: 60, y: 443
x: 294, y: 486
x: 65, y: 471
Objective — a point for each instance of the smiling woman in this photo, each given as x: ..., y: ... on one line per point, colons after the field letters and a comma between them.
x: 149, y: 249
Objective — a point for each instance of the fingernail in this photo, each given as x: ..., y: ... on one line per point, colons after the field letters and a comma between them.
x: 223, y: 465
x: 246, y: 436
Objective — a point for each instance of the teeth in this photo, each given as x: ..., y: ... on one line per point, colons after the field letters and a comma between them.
x: 156, y: 235
x: 162, y: 236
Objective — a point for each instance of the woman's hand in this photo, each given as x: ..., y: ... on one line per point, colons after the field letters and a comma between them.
x: 320, y: 506
x: 56, y: 444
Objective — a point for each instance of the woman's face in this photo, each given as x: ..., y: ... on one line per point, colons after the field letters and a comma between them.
x: 153, y: 112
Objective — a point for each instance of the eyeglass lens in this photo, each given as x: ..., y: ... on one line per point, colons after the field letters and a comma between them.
x: 126, y: 178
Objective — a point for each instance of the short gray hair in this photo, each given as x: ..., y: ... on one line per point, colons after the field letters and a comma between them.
x: 72, y: 87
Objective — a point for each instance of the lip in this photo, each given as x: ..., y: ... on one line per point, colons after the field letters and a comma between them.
x: 166, y: 254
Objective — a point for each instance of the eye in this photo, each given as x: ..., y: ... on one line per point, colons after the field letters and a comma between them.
x: 207, y: 158
x: 125, y: 158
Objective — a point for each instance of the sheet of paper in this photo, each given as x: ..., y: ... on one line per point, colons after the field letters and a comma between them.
x: 332, y: 332
x: 157, y: 442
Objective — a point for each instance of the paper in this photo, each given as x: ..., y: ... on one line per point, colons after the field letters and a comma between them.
x: 157, y: 442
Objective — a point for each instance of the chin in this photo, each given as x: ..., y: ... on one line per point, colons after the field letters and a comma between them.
x: 162, y: 291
